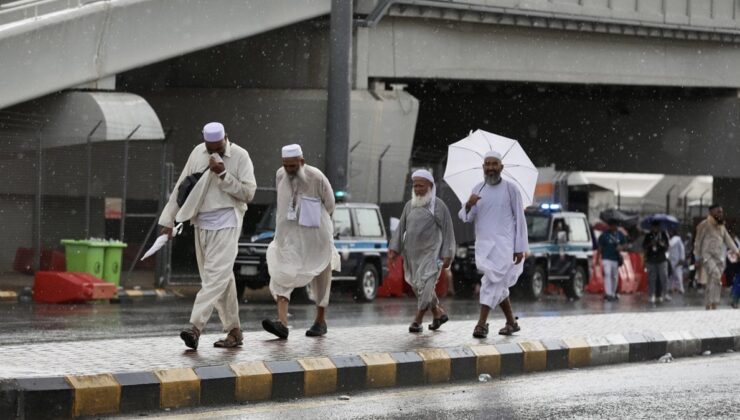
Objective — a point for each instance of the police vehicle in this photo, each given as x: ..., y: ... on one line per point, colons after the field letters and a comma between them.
x: 359, y: 236
x: 560, y: 252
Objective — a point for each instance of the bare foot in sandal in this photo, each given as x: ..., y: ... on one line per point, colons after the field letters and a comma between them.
x: 233, y: 339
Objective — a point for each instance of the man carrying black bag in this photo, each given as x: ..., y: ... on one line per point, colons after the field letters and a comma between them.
x: 215, y: 204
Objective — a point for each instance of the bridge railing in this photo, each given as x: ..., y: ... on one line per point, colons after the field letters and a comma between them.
x: 17, y: 10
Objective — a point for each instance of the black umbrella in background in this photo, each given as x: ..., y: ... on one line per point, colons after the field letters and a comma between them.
x: 624, y: 219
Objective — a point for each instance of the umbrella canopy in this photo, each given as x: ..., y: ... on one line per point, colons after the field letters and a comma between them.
x: 666, y: 221
x: 465, y: 164
x: 621, y: 217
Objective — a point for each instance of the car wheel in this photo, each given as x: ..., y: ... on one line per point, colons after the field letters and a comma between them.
x: 464, y: 287
x: 574, y: 286
x: 367, y: 283
x: 303, y: 294
x: 537, y: 282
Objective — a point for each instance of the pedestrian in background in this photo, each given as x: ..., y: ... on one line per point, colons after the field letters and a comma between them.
x: 426, y: 240
x: 709, y: 249
x: 655, y: 245
x: 611, y: 244
x: 216, y: 207
x: 303, y: 250
x: 676, y: 258
x: 496, y: 208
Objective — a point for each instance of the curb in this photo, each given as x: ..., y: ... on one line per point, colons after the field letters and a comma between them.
x: 8, y: 296
x: 124, y: 296
x: 119, y: 393
x: 135, y: 295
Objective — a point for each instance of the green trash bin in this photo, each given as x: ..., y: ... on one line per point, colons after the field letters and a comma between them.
x: 84, y: 256
x: 112, y: 263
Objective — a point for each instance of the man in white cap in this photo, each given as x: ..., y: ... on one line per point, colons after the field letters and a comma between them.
x: 496, y: 208
x: 216, y: 207
x: 426, y: 240
x: 302, y: 251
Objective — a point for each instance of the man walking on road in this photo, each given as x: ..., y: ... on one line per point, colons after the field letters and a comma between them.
x: 216, y: 207
x: 496, y: 208
x: 610, y: 245
x: 655, y: 245
x: 303, y: 249
x: 709, y: 249
x: 426, y: 240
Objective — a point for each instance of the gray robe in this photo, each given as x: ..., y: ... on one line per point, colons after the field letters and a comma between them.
x: 423, y: 240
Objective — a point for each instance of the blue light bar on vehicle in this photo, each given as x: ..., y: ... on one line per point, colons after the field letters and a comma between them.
x: 550, y: 206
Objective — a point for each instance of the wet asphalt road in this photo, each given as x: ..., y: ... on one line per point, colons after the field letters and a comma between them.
x: 691, y: 388
x: 38, y: 323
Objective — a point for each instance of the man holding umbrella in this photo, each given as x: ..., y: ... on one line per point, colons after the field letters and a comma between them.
x: 496, y: 208
x: 216, y: 207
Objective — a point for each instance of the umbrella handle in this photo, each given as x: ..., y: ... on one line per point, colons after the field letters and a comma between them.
x: 177, y: 229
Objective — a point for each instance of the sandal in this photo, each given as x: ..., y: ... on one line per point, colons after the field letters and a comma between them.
x: 480, y: 331
x: 190, y: 336
x: 316, y: 330
x: 437, y: 322
x: 509, y: 329
x: 233, y: 339
x: 415, y: 328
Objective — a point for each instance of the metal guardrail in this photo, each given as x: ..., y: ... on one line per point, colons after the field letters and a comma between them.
x: 18, y: 10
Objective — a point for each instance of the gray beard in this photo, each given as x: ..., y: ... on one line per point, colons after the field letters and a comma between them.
x: 421, y: 201
x: 493, y: 179
x: 300, y: 175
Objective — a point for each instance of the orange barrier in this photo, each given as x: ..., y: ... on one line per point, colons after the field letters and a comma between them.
x: 631, y: 274
x: 62, y: 287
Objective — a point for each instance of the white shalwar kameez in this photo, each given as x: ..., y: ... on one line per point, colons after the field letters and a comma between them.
x: 216, y: 209
x: 500, y: 231
x: 300, y: 255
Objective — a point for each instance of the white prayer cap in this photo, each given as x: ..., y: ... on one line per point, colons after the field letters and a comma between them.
x: 423, y: 173
x: 213, y: 132
x: 292, y: 150
x: 493, y: 154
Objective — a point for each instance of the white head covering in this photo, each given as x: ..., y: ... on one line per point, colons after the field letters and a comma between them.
x: 423, y: 173
x: 292, y: 150
x: 493, y: 154
x: 213, y: 132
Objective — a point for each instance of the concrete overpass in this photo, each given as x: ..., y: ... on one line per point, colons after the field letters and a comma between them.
x: 608, y: 81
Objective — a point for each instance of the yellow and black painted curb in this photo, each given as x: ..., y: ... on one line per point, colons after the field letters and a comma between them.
x: 124, y: 296
x: 8, y: 296
x: 92, y: 395
x: 135, y: 295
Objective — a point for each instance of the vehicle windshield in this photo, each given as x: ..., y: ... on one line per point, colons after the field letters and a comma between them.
x: 267, y: 222
x: 537, y: 227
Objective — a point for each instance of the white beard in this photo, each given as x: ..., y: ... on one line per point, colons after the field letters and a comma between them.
x: 300, y: 175
x: 421, y: 201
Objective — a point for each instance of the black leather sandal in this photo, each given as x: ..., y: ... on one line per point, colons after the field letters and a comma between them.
x: 437, y: 322
x: 480, y: 331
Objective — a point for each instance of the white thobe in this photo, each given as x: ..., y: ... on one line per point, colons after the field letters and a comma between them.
x: 300, y: 255
x: 500, y: 231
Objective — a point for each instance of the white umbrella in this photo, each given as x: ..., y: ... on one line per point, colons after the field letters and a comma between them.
x: 161, y: 240
x: 465, y: 164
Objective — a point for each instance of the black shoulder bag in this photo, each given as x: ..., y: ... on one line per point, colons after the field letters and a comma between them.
x: 186, y: 186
